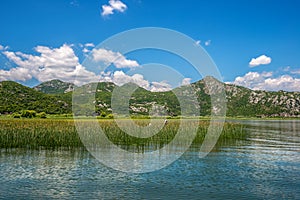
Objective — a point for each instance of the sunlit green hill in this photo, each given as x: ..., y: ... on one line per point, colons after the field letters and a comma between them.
x: 55, y: 97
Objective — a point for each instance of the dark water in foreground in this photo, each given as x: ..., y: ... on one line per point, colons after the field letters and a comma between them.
x: 264, y: 166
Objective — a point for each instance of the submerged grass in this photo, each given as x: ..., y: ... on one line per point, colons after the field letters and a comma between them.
x: 57, y: 133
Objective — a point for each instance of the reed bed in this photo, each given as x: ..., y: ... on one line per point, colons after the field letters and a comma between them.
x: 57, y: 133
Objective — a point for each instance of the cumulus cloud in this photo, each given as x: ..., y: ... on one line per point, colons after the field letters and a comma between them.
x: 113, y: 5
x: 15, y: 74
x: 120, y: 78
x: 186, y: 81
x: 118, y: 5
x: 110, y: 57
x: 261, y: 60
x: 160, y: 86
x: 267, y: 81
x: 107, y: 10
x: 51, y: 63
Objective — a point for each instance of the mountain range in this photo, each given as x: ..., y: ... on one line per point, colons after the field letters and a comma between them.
x: 55, y: 97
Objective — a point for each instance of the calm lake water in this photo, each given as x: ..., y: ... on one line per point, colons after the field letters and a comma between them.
x: 264, y: 166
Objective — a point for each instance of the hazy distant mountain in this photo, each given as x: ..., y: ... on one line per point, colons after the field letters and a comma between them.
x: 241, y: 101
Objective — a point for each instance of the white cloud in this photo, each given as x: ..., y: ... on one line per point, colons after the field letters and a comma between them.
x: 266, y: 81
x: 118, y: 5
x: 160, y: 86
x: 261, y: 60
x: 284, y: 82
x: 3, y: 48
x: 89, y: 45
x: 207, y: 43
x: 85, y: 50
x: 51, y: 63
x: 290, y: 70
x: 295, y: 71
x: 15, y: 74
x: 113, y: 5
x: 107, y: 10
x: 110, y: 57
x: 251, y: 79
x: 120, y: 78
x: 74, y: 3
x: 186, y: 81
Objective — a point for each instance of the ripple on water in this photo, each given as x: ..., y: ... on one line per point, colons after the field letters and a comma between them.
x: 265, y: 166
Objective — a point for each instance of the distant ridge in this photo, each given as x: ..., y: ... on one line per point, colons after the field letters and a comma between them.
x: 56, y: 97
x: 55, y: 87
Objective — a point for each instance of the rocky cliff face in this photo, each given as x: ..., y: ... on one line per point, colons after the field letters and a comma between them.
x: 55, y: 87
x: 243, y: 101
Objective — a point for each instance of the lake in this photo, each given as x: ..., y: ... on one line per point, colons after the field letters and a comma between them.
x: 266, y: 165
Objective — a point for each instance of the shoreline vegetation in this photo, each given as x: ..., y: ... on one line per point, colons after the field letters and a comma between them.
x: 52, y: 133
x: 59, y: 131
x: 28, y: 114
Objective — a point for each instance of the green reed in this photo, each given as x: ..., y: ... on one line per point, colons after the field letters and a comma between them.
x: 54, y: 133
x: 36, y: 133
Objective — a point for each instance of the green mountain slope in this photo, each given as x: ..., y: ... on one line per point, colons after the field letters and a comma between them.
x: 246, y: 102
x: 241, y: 101
x: 15, y: 97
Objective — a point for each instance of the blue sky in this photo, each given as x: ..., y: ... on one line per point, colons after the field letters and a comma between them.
x: 232, y: 32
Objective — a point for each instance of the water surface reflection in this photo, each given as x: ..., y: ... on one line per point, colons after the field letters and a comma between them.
x: 264, y: 166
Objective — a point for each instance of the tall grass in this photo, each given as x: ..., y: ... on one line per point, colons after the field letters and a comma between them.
x: 54, y: 133
x: 37, y: 133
